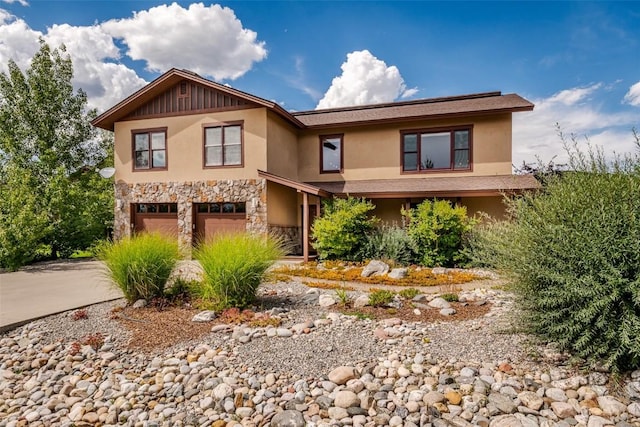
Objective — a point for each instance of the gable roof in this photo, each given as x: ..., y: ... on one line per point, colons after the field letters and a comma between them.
x: 141, y: 103
x: 463, y: 105
x: 130, y: 107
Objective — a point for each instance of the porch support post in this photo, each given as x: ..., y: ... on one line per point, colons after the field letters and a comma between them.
x: 305, y: 226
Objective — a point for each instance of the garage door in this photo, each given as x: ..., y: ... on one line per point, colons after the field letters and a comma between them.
x: 156, y: 217
x: 218, y: 218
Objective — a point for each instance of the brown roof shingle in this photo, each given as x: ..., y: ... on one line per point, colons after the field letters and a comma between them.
x: 431, y: 187
x: 482, y: 103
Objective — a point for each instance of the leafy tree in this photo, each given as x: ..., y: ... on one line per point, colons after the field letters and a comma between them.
x: 48, y: 145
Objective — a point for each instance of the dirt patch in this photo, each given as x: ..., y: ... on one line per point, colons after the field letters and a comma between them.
x: 464, y: 311
x: 154, y: 328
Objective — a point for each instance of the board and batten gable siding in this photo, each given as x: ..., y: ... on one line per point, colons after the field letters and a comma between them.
x: 185, y: 147
x: 373, y: 151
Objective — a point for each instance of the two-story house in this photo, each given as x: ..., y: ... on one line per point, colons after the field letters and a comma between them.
x: 195, y: 158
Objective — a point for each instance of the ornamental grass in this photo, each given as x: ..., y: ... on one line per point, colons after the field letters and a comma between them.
x: 141, y: 265
x: 234, y: 265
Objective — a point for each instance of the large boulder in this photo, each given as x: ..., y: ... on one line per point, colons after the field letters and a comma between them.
x: 375, y: 268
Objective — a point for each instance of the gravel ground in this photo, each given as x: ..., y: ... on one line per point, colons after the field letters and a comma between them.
x: 350, y: 342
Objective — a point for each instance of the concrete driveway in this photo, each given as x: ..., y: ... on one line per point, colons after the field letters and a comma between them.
x: 51, y: 287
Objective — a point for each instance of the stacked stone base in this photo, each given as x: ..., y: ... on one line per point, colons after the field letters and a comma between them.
x: 250, y: 191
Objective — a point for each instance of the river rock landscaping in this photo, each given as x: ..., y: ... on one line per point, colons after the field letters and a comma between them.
x: 305, y: 364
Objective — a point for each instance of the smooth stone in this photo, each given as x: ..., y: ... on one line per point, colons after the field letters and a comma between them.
x: 439, y: 302
x: 336, y: 413
x: 398, y: 273
x: 531, y: 400
x: 375, y: 268
x: 503, y: 403
x: 346, y: 399
x: 204, y: 316
x: 326, y: 301
x: 611, y: 406
x: 556, y: 394
x: 563, y: 409
x: 342, y: 374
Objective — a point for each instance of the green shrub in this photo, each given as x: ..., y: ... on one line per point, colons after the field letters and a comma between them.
x: 141, y: 265
x: 234, y: 265
x: 450, y: 297
x: 573, y: 252
x: 437, y: 230
x: 409, y: 293
x: 389, y: 243
x: 380, y: 297
x: 341, y: 231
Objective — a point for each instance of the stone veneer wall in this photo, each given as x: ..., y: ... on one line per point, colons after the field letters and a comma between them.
x: 290, y: 235
x: 251, y: 191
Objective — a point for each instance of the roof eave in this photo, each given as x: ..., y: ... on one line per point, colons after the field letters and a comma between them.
x: 421, y: 117
x: 296, y: 185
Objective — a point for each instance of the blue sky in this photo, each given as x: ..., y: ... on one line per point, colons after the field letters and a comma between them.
x: 579, y: 62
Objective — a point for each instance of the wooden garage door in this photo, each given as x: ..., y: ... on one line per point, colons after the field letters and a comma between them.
x: 156, y: 217
x: 218, y: 218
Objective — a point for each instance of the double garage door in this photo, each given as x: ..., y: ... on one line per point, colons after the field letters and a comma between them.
x: 209, y: 219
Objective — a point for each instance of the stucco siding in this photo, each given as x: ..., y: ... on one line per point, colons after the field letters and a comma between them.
x: 373, y: 151
x: 185, y: 147
x: 282, y: 148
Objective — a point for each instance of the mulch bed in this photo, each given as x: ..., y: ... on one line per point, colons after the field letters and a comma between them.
x: 154, y: 328
x: 160, y: 327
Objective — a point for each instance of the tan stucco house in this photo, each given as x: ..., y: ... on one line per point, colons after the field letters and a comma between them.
x: 194, y: 157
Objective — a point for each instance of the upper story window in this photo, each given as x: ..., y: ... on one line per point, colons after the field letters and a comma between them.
x: 436, y: 150
x: 150, y: 149
x: 223, y: 145
x: 331, y: 149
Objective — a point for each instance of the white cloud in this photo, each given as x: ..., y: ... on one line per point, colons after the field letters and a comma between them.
x: 574, y: 96
x: 577, y: 111
x: 365, y: 79
x: 208, y: 40
x: 22, y: 2
x: 17, y: 41
x: 91, y: 50
x: 633, y: 96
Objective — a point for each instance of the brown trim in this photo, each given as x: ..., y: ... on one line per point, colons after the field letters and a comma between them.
x: 149, y: 131
x: 426, y: 194
x: 305, y: 227
x: 300, y: 186
x: 323, y: 138
x: 222, y: 125
x: 190, y: 112
x: 451, y: 130
x: 430, y: 117
x: 116, y: 113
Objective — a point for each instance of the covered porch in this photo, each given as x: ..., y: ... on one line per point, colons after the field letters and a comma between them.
x: 293, y: 205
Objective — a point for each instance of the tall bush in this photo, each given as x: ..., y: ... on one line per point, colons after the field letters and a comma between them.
x: 437, y: 230
x: 389, y: 243
x: 341, y: 231
x: 234, y: 265
x: 573, y: 252
x: 141, y: 265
